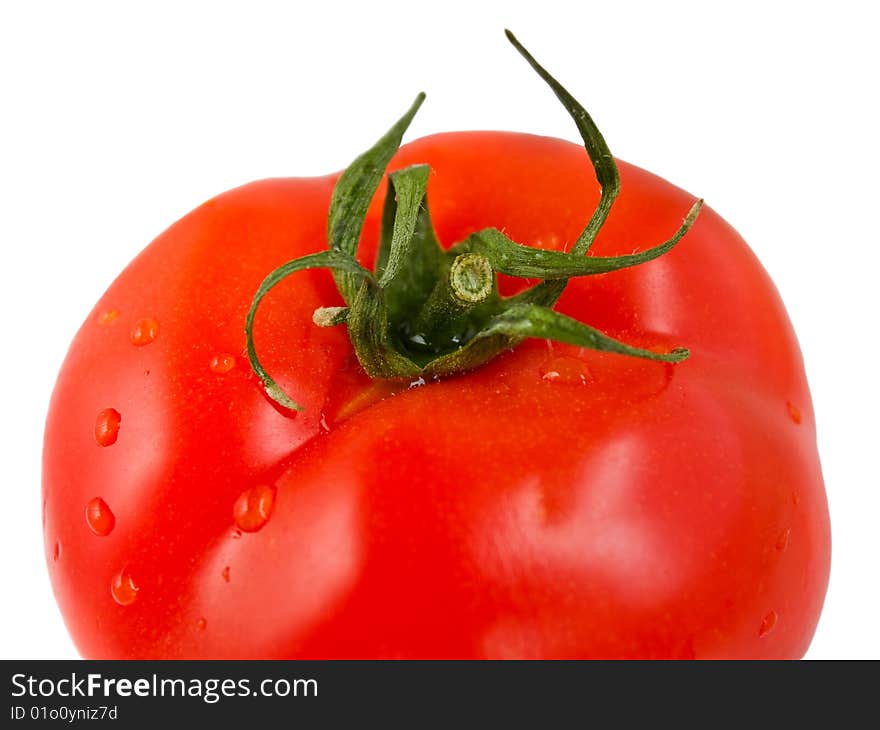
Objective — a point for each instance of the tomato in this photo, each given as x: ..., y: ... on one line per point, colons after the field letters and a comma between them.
x: 556, y: 502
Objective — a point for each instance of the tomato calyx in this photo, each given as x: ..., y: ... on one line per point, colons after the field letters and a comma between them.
x: 430, y: 311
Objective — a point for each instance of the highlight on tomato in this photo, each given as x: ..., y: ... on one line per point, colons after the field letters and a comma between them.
x: 486, y: 395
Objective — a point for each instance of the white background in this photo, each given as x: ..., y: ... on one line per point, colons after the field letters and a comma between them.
x: 117, y: 118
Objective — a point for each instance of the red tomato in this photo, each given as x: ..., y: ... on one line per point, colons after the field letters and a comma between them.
x: 555, y: 503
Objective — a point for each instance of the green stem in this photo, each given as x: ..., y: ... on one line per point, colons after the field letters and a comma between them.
x: 445, y: 320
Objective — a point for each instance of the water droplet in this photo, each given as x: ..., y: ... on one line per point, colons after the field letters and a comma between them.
x: 565, y: 369
x: 225, y: 574
x: 222, y: 363
x: 107, y: 317
x: 236, y: 534
x: 794, y: 412
x: 144, y: 332
x: 417, y: 383
x: 253, y: 507
x: 323, y: 422
x: 795, y: 499
x: 123, y: 588
x: 100, y: 517
x: 768, y: 623
x: 56, y: 553
x: 201, y: 624
x: 107, y: 426
x: 782, y: 540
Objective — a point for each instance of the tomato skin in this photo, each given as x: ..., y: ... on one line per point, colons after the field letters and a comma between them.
x: 555, y: 503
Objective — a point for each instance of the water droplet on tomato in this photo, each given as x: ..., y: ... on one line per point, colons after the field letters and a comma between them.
x: 123, y: 588
x: 795, y: 499
x: 144, y: 331
x: 201, y: 624
x: 782, y: 540
x: 236, y: 534
x: 222, y: 363
x: 794, y: 413
x: 768, y: 623
x: 417, y: 383
x: 107, y: 317
x: 323, y: 422
x: 565, y: 369
x: 253, y: 507
x: 225, y: 574
x: 56, y: 553
x: 107, y: 426
x: 100, y: 517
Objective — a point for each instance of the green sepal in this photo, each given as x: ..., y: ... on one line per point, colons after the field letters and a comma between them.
x: 410, y: 260
x: 407, y: 191
x: 335, y: 260
x: 530, y: 320
x: 514, y: 259
x: 603, y: 161
x: 547, y: 293
x: 355, y: 190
